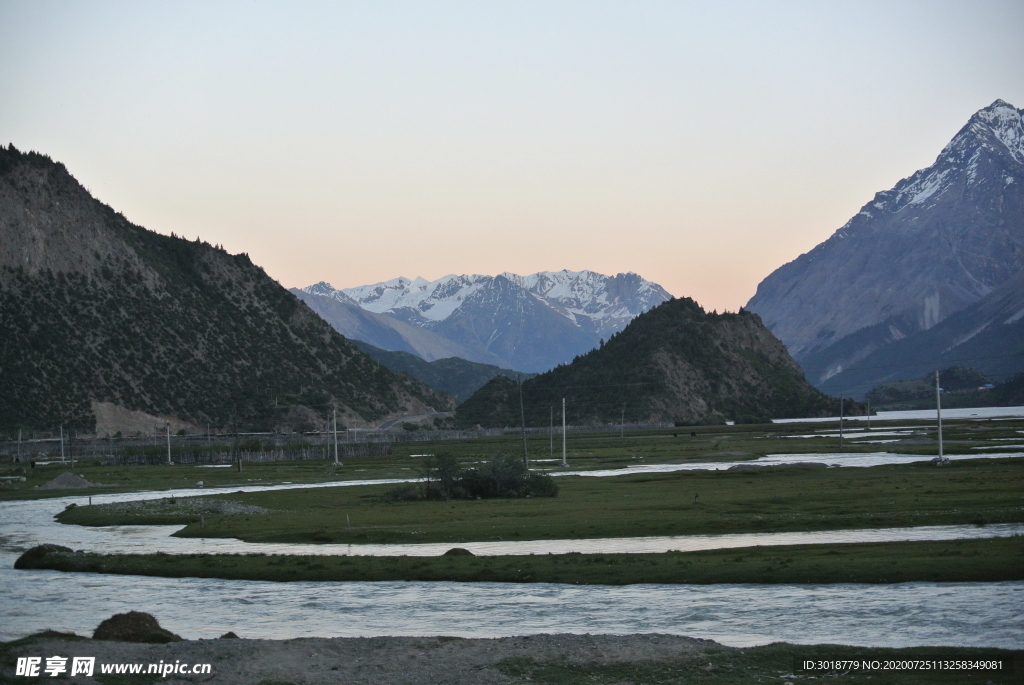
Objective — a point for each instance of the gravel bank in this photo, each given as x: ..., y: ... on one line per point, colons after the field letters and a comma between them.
x: 181, y: 506
x: 381, y: 660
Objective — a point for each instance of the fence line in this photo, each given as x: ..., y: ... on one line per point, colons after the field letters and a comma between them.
x: 344, y: 451
x: 201, y: 449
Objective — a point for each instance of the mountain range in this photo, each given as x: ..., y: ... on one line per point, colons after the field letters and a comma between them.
x: 674, y: 363
x: 98, y: 312
x: 926, y: 275
x: 528, y: 323
x: 386, y: 332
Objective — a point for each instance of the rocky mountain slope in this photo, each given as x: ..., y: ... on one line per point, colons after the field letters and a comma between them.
x: 531, y: 323
x: 987, y: 335
x: 383, y: 331
x: 936, y: 243
x: 675, y: 363
x: 95, y: 309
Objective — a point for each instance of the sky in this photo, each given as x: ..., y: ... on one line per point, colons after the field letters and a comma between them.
x: 701, y: 145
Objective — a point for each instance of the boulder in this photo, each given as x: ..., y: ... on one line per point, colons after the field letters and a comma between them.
x: 135, y: 626
x: 28, y: 559
x: 458, y: 552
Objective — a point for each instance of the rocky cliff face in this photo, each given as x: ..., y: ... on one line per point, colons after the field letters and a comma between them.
x: 987, y: 336
x: 675, y: 363
x: 96, y: 310
x: 934, y: 244
x: 531, y: 323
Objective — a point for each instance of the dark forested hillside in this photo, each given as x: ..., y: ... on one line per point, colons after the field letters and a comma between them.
x: 675, y: 363
x: 96, y: 309
x: 459, y: 378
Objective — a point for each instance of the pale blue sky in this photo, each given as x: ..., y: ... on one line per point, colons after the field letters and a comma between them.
x: 701, y: 145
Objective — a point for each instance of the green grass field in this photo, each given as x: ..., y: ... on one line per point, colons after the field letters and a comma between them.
x: 696, y: 502
x: 680, y: 503
x: 988, y: 560
x: 585, y: 451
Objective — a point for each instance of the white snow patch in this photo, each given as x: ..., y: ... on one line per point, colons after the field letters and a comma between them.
x: 1016, y: 317
x: 967, y: 337
x: 929, y: 186
x: 931, y: 311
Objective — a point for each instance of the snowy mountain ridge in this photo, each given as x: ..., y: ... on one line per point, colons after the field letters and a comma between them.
x: 934, y: 244
x: 997, y: 130
x: 510, y: 314
x: 579, y: 296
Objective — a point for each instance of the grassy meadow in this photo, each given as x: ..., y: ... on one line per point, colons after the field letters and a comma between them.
x: 585, y: 451
x: 779, y: 499
x: 679, y: 503
x: 988, y: 560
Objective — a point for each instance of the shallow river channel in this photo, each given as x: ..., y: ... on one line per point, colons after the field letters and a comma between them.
x: 964, y: 614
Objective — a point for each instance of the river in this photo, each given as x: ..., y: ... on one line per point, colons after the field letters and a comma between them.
x: 955, y: 614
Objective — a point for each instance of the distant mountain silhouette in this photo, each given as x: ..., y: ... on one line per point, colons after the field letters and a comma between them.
x: 96, y: 309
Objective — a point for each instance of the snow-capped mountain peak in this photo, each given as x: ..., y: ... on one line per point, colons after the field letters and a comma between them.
x: 935, y: 243
x: 325, y: 289
x: 585, y: 294
x: 534, y: 307
x: 991, y: 137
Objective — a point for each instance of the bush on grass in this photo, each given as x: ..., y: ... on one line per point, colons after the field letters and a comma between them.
x: 503, y: 476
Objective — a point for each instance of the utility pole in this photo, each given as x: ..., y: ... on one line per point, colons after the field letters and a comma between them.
x: 62, y: 443
x: 840, y: 422
x: 551, y: 434
x: 564, y: 462
x: 335, y: 436
x: 869, y: 414
x: 234, y: 429
x: 938, y: 409
x: 168, y: 426
x: 622, y: 424
x: 19, y: 445
x: 522, y: 421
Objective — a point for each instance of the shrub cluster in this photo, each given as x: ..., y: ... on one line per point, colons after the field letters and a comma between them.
x: 503, y: 476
